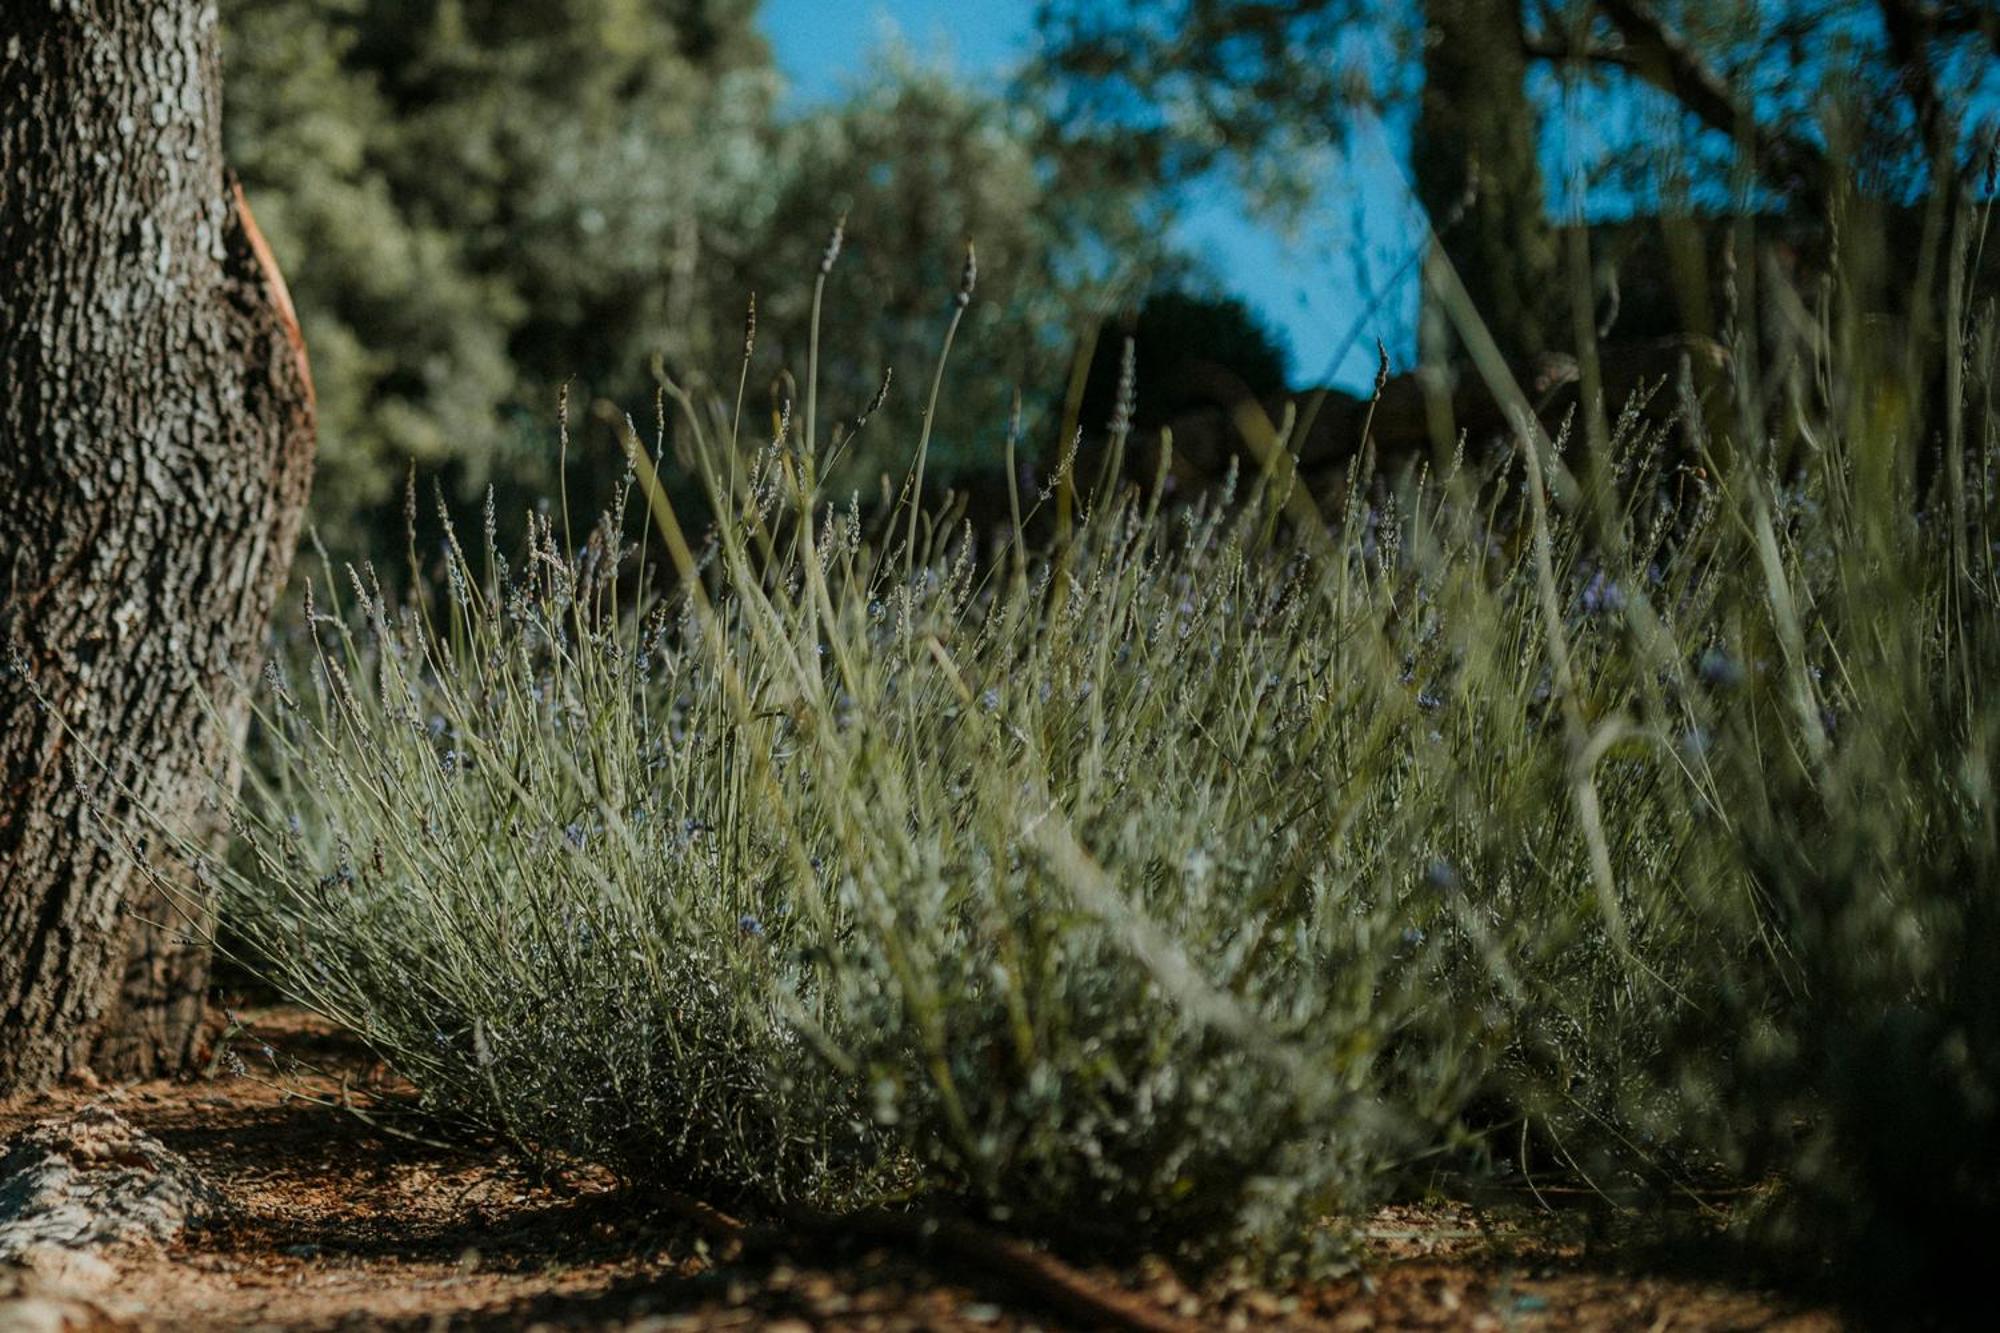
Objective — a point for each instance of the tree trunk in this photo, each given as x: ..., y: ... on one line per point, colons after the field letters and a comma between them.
x: 1478, y: 177
x: 156, y: 438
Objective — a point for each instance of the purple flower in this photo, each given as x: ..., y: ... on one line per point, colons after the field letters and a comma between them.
x: 1718, y: 668
x: 1602, y: 595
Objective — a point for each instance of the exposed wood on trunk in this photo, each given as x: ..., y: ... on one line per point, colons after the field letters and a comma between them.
x: 155, y: 451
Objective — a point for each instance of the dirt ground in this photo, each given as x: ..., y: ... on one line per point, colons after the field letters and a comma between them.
x: 332, y: 1223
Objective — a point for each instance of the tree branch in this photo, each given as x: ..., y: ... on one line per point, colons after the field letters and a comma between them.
x: 1557, y: 51
x: 1665, y: 59
x: 1909, y: 27
x: 1964, y: 20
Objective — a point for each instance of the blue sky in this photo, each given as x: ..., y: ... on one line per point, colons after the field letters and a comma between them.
x: 1308, y: 287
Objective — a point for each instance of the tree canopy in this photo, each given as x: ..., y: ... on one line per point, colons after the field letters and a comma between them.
x: 479, y: 201
x: 1685, y: 104
x: 1185, y: 84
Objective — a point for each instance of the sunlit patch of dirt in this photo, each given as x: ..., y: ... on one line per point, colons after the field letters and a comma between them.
x: 331, y: 1222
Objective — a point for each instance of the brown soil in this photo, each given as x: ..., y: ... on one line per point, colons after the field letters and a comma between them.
x: 331, y: 1222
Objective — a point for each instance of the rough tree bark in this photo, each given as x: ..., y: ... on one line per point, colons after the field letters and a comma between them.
x: 156, y: 439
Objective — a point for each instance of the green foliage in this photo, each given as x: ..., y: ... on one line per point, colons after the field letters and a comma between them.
x: 403, y: 336
x: 1650, y: 97
x: 1672, y: 110
x: 918, y: 166
x: 474, y: 200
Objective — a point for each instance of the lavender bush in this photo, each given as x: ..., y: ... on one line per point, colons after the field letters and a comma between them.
x: 1193, y: 879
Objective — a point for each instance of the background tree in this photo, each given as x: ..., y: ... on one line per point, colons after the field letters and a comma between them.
x: 486, y: 199
x: 1178, y: 87
x: 1477, y: 177
x: 918, y: 164
x: 1191, y: 350
x: 156, y: 429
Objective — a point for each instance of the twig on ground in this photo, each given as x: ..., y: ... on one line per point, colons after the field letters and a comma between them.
x: 1020, y: 1266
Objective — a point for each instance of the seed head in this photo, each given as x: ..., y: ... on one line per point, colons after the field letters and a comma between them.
x: 1128, y: 389
x: 968, y: 278
x: 875, y: 403
x: 833, y: 244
